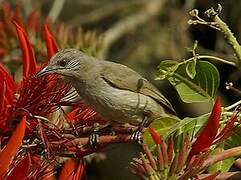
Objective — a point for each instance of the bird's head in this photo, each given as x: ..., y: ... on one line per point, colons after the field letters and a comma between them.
x: 65, y: 63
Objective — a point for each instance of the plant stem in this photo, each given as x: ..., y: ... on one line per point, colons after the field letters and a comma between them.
x: 236, y: 151
x: 229, y: 36
x: 232, y: 106
x: 212, y: 58
x: 56, y: 9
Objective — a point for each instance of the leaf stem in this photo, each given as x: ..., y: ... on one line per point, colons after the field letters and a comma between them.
x: 212, y: 58
x: 232, y: 106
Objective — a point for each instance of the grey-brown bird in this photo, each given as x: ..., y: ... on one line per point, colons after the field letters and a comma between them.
x: 113, y: 90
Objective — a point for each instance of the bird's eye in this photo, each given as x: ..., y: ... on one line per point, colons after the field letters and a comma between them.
x: 62, y: 62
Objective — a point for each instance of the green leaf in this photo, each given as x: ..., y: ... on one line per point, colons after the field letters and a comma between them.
x: 166, y: 69
x: 188, y: 126
x: 161, y: 126
x: 191, y: 68
x: 200, y: 89
x: 234, y: 140
x: 222, y: 166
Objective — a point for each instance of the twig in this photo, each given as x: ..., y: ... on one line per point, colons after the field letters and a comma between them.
x: 104, y: 140
x: 219, y: 25
x: 212, y: 58
x: 81, y: 145
x: 232, y: 106
x: 56, y: 9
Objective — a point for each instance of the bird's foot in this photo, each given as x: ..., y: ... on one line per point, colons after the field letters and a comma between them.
x: 94, y: 139
x: 137, y: 137
x: 94, y: 136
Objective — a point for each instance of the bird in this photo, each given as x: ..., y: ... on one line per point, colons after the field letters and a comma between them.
x: 113, y: 90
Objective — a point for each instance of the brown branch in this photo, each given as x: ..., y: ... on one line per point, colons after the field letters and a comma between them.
x: 80, y: 146
x: 104, y: 140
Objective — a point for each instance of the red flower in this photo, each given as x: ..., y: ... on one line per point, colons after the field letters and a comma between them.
x: 72, y: 170
x: 33, y: 96
x: 207, y: 135
x: 11, y: 149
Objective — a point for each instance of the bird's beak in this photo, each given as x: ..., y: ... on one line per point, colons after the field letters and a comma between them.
x: 43, y: 72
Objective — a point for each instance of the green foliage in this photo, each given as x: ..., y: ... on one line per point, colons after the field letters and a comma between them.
x: 161, y: 126
x: 223, y: 165
x: 191, y: 68
x: 234, y: 140
x: 188, y: 126
x: 195, y: 81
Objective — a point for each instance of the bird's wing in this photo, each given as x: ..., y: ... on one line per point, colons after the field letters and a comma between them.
x: 123, y: 77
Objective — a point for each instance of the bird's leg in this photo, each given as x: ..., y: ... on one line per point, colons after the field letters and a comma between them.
x: 94, y: 136
x: 137, y: 135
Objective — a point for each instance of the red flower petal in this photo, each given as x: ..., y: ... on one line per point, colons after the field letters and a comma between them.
x: 29, y: 63
x: 21, y: 170
x: 50, y: 43
x: 68, y: 170
x: 10, y: 84
x: 208, y: 133
x: 80, y: 173
x: 155, y: 136
x: 72, y: 114
x: 12, y: 147
x: 2, y: 95
x: 32, y: 22
x: 3, y: 52
x: 228, y: 129
x: 72, y: 170
x: 7, y: 16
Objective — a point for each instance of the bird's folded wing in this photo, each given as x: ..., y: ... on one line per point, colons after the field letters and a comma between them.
x: 123, y: 77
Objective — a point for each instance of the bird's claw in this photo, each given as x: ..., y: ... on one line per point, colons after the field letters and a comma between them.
x: 94, y: 139
x: 137, y: 137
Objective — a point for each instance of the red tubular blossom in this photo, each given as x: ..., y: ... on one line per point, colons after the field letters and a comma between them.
x: 228, y: 129
x: 7, y: 89
x: 155, y: 136
x: 32, y: 22
x: 39, y: 96
x: 2, y: 51
x: 11, y: 86
x: 20, y: 171
x: 72, y: 170
x: 11, y: 149
x: 209, y: 131
x: 29, y: 63
x: 7, y: 16
x: 50, y: 43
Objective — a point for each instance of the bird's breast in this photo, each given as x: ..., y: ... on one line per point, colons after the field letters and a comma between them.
x: 117, y: 104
